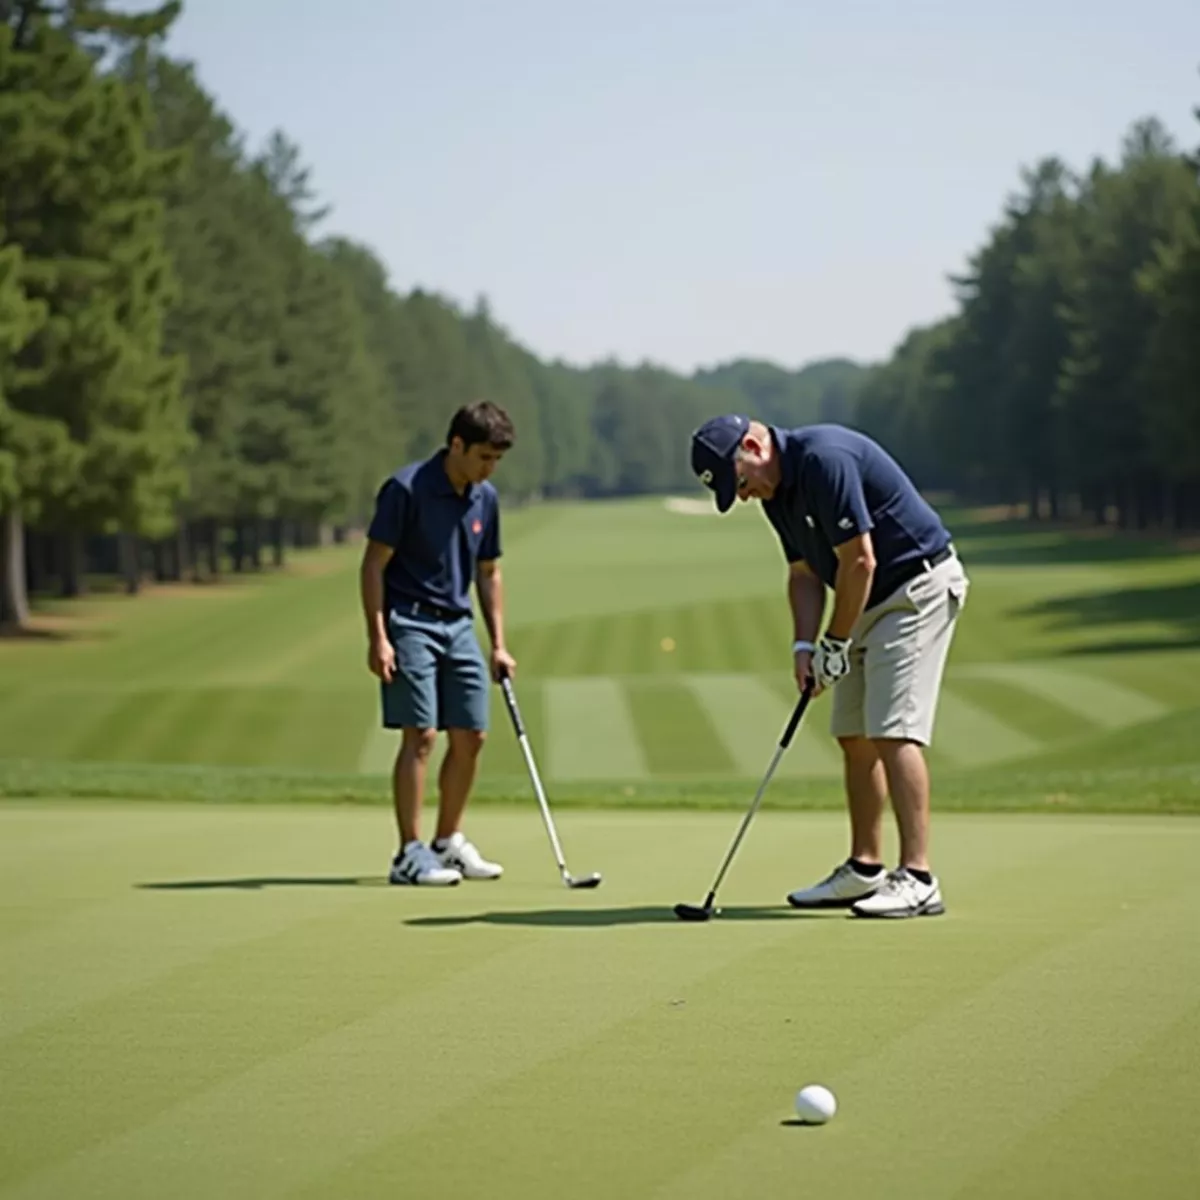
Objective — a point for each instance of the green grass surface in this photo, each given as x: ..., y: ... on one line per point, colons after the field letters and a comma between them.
x: 204, y: 1002
x: 1078, y: 658
x: 225, y: 999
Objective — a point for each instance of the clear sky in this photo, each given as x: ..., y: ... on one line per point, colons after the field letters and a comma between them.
x: 689, y: 182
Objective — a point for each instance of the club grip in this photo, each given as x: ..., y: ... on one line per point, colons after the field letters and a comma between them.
x: 511, y: 700
x: 797, y: 713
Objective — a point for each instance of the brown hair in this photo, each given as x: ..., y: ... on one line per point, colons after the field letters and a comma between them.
x: 482, y: 421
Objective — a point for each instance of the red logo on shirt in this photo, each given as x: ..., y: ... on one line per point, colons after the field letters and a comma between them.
x: 477, y: 526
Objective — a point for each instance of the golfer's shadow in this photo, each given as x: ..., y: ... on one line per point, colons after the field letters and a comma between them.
x: 257, y: 883
x: 591, y: 918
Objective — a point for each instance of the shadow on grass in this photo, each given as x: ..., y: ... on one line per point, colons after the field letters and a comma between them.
x: 1176, y: 606
x: 33, y: 633
x: 257, y: 883
x: 1018, y: 544
x: 44, y: 630
x: 599, y: 917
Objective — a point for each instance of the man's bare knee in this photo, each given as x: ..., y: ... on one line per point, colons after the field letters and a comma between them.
x: 857, y: 747
x: 892, y: 748
x: 418, y: 744
x: 467, y: 741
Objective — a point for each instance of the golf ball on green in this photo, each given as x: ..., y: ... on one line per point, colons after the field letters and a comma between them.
x: 815, y: 1104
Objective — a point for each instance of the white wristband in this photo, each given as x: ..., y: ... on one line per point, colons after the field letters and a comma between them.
x: 802, y: 645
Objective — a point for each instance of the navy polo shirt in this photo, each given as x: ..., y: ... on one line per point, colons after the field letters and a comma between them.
x: 836, y: 484
x: 438, y: 535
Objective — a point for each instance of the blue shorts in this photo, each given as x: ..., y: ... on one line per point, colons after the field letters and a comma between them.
x: 441, y: 680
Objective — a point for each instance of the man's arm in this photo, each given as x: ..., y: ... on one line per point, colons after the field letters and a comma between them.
x: 856, y: 571
x: 806, y: 597
x: 489, y: 584
x: 381, y: 657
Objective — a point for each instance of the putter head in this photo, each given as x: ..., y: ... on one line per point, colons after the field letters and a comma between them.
x: 587, y: 881
x: 693, y: 912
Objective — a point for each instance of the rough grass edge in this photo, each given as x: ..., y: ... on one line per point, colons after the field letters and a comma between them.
x: 1148, y: 790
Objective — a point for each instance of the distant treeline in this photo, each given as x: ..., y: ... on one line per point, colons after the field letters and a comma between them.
x: 194, y: 379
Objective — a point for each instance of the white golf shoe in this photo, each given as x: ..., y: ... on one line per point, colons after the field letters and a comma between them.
x: 418, y: 864
x: 902, y: 895
x: 458, y: 853
x: 839, y: 889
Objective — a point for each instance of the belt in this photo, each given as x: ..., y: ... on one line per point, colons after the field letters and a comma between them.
x: 918, y: 566
x: 419, y: 607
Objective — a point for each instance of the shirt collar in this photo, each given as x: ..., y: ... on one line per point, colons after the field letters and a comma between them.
x: 786, y: 450
x: 443, y: 486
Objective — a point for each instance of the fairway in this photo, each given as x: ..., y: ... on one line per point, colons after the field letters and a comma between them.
x: 226, y: 999
x: 652, y: 641
x: 229, y: 1002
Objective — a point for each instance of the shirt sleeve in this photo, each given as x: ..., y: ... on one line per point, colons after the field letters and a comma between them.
x: 489, y: 545
x: 391, y: 507
x: 839, y: 503
x: 791, y: 552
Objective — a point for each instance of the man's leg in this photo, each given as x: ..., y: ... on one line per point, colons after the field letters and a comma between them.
x: 457, y: 778
x: 410, y: 705
x: 904, y: 681
x: 464, y: 684
x: 908, y: 783
x: 866, y: 799
x: 408, y: 781
x: 866, y: 795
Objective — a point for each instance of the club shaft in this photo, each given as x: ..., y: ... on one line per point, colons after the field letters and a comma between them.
x: 780, y: 749
x: 542, y: 802
x: 741, y: 833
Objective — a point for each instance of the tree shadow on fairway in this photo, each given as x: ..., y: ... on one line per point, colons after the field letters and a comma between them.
x: 592, y: 918
x: 1174, y: 607
x: 257, y: 883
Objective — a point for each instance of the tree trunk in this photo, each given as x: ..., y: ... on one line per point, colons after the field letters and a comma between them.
x: 14, y: 594
x: 212, y: 546
x: 254, y: 530
x: 239, y: 545
x: 278, y: 538
x: 39, y: 557
x: 74, y: 574
x: 181, y: 551
x: 128, y: 551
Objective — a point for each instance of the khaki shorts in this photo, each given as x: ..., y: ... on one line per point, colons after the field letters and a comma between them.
x: 897, y: 657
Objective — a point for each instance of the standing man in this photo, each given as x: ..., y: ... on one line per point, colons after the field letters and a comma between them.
x: 849, y: 519
x: 436, y: 529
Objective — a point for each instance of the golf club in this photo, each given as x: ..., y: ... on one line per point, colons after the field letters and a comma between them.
x: 692, y: 912
x: 585, y: 881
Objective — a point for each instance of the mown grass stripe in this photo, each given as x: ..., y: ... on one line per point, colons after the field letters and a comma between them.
x: 378, y: 751
x: 970, y: 735
x: 1106, y: 703
x: 590, y: 731
x: 1029, y: 713
x: 749, y: 714
x: 130, y: 730
x: 676, y: 731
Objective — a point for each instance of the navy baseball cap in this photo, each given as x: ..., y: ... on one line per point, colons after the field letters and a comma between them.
x: 714, y: 445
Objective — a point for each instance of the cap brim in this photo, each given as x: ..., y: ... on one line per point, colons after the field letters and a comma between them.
x: 726, y: 493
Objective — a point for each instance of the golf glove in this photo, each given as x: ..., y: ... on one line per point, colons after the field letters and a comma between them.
x: 831, y: 660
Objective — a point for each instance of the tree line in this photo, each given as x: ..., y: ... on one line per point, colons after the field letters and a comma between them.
x: 193, y: 378
x: 1068, y: 378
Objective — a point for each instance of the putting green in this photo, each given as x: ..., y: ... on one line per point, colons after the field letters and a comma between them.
x: 207, y: 1001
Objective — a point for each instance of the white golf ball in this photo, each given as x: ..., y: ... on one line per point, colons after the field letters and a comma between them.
x: 815, y: 1104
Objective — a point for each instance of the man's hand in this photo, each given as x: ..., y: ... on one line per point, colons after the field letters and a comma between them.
x: 803, y: 661
x: 381, y: 658
x: 503, y: 664
x: 831, y: 661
